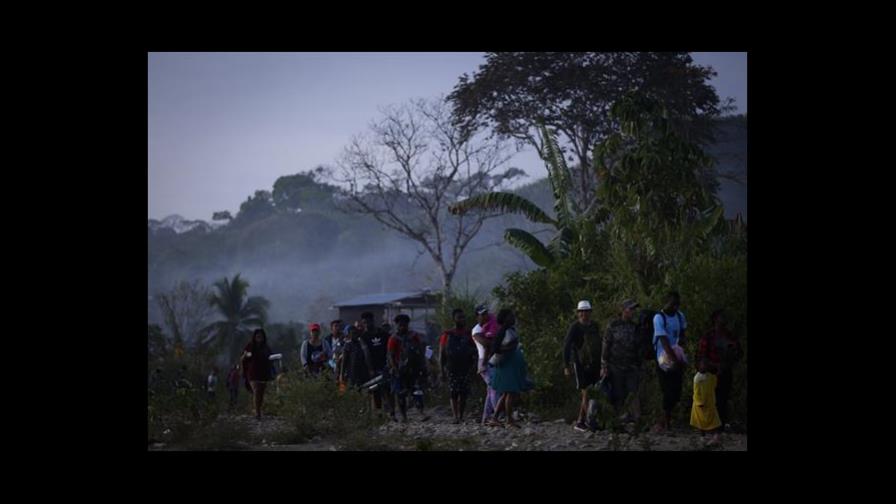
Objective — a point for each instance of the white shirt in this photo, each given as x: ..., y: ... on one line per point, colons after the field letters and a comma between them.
x: 479, y: 347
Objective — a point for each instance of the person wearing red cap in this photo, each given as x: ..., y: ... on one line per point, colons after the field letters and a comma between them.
x: 315, y: 352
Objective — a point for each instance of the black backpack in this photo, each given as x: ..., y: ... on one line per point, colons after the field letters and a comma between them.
x: 412, y: 357
x: 460, y: 353
x: 646, y: 331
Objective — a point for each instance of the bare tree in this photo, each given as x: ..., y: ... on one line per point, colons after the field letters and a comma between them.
x: 411, y: 164
x: 186, y: 310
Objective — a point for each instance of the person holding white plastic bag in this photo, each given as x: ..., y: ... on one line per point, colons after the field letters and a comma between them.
x: 669, y: 327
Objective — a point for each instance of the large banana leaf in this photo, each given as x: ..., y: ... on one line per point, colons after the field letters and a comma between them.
x: 505, y: 202
x: 558, y: 174
x: 530, y: 245
x: 710, y: 220
x: 561, y: 243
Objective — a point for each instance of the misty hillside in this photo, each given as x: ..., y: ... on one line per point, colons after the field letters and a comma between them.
x: 296, y: 249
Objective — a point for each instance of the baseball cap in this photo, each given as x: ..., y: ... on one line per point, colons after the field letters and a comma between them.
x: 630, y: 304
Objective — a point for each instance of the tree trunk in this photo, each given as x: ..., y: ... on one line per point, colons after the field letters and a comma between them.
x: 583, y: 169
x: 447, y: 279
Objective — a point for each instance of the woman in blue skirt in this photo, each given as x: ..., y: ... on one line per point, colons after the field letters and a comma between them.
x: 510, y: 375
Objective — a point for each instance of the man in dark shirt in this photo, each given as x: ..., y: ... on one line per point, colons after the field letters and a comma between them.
x: 457, y: 360
x: 375, y: 339
x: 581, y: 357
x: 354, y: 366
x: 405, y: 362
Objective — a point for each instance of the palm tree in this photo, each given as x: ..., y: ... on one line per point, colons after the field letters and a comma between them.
x: 568, y: 219
x: 241, y: 315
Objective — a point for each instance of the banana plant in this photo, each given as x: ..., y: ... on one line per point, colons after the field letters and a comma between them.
x: 565, y: 224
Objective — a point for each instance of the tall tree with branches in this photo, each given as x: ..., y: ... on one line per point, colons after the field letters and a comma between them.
x: 571, y: 93
x: 411, y: 164
x: 186, y: 311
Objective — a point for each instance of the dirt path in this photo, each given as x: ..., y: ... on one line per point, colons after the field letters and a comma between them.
x: 439, y: 434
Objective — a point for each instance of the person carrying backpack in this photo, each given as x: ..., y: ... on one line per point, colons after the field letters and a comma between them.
x: 406, y: 360
x: 581, y: 357
x: 457, y: 358
x: 669, y: 327
x: 315, y: 352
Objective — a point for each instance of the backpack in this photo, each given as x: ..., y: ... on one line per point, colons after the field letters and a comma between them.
x: 412, y: 357
x: 460, y: 353
x: 646, y: 331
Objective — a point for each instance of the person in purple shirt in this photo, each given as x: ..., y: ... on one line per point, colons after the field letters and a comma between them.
x: 483, y: 335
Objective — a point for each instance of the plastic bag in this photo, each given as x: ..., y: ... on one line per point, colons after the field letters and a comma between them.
x: 666, y: 363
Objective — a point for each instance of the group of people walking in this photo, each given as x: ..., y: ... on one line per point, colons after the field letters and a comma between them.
x: 391, y: 366
x: 615, y: 364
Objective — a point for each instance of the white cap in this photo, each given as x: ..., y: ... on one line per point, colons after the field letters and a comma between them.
x: 478, y: 329
x: 583, y: 305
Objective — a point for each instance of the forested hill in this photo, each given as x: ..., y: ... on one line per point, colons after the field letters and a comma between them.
x: 296, y: 249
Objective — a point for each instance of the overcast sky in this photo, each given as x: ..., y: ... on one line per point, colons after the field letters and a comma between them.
x: 222, y: 125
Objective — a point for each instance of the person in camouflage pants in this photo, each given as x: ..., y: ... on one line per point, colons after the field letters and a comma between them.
x: 621, y: 357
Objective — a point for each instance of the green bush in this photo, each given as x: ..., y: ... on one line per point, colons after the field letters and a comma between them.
x: 178, y: 405
x: 466, y: 300
x: 314, y: 407
x: 545, y: 301
x: 658, y: 228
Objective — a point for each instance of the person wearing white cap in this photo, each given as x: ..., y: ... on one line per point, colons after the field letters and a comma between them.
x: 581, y: 357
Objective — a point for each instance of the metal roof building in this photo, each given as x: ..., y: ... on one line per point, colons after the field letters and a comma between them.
x: 419, y: 305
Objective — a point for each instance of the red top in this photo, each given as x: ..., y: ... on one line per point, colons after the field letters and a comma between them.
x: 443, y: 339
x: 716, y: 345
x: 394, y: 344
x: 257, y: 367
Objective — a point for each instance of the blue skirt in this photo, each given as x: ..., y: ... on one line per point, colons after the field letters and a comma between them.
x: 511, y: 374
